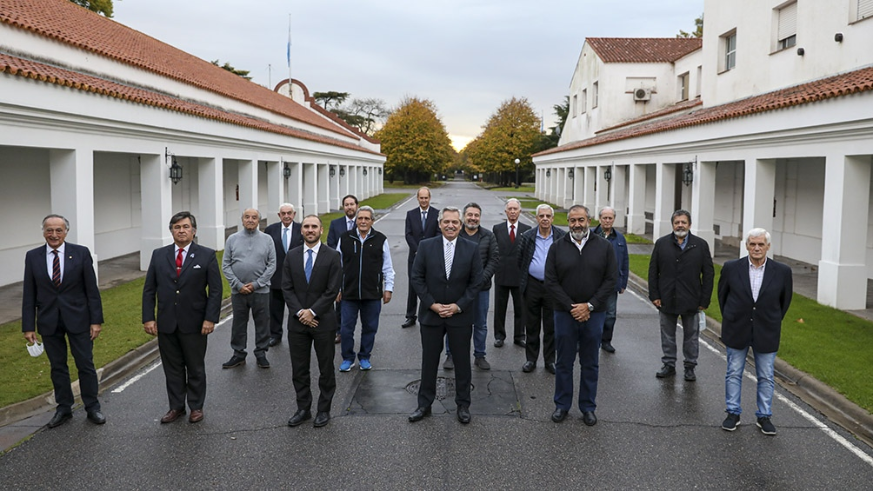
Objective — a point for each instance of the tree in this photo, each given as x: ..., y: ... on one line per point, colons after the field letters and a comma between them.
x: 364, y: 114
x: 100, y: 6
x: 512, y: 132
x: 326, y: 99
x: 415, y: 141
x: 227, y: 66
x: 551, y: 139
x: 698, y: 29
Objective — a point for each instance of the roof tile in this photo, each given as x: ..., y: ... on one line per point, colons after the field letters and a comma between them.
x: 643, y: 50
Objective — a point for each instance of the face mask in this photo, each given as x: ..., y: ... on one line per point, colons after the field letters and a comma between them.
x: 34, y: 349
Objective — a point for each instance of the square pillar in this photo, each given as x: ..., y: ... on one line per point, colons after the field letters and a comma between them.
x: 567, y: 187
x: 636, y: 217
x: 334, y: 187
x: 602, y: 194
x: 619, y: 190
x: 590, y: 198
x: 248, y: 186
x: 294, y: 187
x: 72, y: 193
x: 323, y: 183
x: 275, y: 191
x: 665, y: 195
x: 842, y: 279
x: 310, y: 189
x: 156, y: 190
x: 703, y: 203
x: 578, y: 184
x: 210, y: 219
x: 759, y: 189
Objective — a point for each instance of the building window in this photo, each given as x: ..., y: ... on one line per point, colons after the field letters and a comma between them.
x: 595, y: 94
x: 862, y: 9
x: 582, y: 107
x: 683, y: 86
x: 786, y: 32
x: 729, y: 51
x: 575, y: 105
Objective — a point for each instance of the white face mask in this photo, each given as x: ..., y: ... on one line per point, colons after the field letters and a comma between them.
x: 34, y: 349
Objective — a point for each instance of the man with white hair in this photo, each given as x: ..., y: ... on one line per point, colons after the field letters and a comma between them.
x: 619, y: 245
x: 754, y: 294
x: 286, y: 235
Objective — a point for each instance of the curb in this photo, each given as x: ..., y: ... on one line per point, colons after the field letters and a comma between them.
x: 825, y: 399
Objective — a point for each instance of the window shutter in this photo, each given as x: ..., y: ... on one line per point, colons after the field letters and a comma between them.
x: 788, y: 21
x: 865, y: 9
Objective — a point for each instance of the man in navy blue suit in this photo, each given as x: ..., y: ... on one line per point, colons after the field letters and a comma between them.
x: 61, y: 299
x: 754, y: 294
x: 286, y: 236
x: 421, y: 223
x: 446, y: 276
x: 338, y: 227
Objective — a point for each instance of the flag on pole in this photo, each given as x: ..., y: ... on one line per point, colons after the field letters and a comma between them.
x: 289, y: 42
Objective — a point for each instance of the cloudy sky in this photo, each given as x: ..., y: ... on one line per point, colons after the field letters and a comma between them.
x: 467, y: 56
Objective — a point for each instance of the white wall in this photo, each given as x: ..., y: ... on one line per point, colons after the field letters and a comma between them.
x: 117, y: 205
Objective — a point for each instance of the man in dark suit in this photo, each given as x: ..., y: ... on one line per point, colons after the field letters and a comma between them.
x: 421, y: 223
x: 184, y: 280
x: 446, y: 276
x: 507, y: 277
x: 338, y: 227
x: 311, y: 281
x: 754, y: 294
x: 286, y: 236
x: 61, y: 299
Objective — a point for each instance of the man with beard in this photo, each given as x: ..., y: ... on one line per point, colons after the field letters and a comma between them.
x: 680, y: 285
x: 488, y: 252
x: 581, y: 272
x: 338, y: 227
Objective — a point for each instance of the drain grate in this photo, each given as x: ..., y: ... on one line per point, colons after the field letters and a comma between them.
x: 445, y: 388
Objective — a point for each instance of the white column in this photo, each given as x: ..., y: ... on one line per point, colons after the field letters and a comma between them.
x: 842, y: 278
x: 567, y: 188
x: 359, y: 183
x: 343, y: 180
x: 210, y: 221
x: 295, y: 187
x: 665, y: 196
x: 275, y: 191
x: 323, y: 177
x: 578, y: 185
x: 759, y: 190
x: 310, y: 189
x: 380, y: 179
x: 334, y: 188
x: 636, y: 217
x: 603, y: 188
x: 72, y: 193
x: 590, y: 198
x: 248, y: 186
x: 619, y: 194
x: 157, y: 196
x: 703, y: 203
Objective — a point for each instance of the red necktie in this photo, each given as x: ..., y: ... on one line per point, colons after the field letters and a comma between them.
x: 56, y: 269
x: 179, y: 262
x: 512, y: 233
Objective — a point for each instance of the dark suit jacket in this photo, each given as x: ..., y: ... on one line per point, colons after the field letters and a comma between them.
x: 414, y: 233
x: 527, y: 246
x: 337, y: 228
x: 320, y: 293
x: 681, y: 278
x: 275, y: 231
x: 430, y: 283
x: 77, y: 300
x: 508, y: 272
x: 746, y: 322
x: 183, y: 302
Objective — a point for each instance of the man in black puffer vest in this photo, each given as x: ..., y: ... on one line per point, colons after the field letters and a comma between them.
x: 368, y: 278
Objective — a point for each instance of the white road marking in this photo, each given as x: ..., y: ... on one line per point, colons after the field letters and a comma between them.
x: 788, y: 402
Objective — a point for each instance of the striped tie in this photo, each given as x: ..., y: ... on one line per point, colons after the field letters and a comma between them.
x: 450, y: 256
x: 56, y: 269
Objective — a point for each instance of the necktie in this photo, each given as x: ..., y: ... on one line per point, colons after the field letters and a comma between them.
x: 179, y: 262
x: 349, y: 224
x: 450, y: 256
x: 56, y: 269
x: 512, y: 233
x: 285, y: 238
x: 423, y: 220
x: 308, y: 267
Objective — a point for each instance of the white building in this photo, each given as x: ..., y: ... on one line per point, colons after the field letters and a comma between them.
x: 93, y: 115
x: 781, y: 138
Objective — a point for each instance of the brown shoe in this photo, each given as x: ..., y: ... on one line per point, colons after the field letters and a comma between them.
x: 336, y: 340
x: 172, y: 415
x: 196, y: 416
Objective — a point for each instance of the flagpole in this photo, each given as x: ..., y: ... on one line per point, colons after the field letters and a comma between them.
x: 290, y: 88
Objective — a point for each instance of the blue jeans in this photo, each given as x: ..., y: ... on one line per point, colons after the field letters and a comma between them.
x: 573, y: 337
x: 370, y: 310
x: 480, y: 326
x: 609, y: 323
x: 733, y: 381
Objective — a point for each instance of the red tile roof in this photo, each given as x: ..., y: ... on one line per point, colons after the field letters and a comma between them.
x: 71, y: 24
x: 815, y: 91
x: 643, y: 50
x: 14, y: 66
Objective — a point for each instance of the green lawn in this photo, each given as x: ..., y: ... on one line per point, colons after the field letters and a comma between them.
x: 512, y: 189
x: 411, y: 187
x: 831, y: 345
x: 380, y: 202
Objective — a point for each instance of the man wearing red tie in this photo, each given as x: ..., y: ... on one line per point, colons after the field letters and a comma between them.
x: 61, y: 299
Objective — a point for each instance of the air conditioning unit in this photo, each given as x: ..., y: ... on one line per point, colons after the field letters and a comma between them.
x: 642, y: 94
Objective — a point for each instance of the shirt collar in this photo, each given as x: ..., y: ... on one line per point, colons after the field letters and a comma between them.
x: 61, y: 248
x: 314, y: 249
x: 751, y: 265
x: 447, y: 241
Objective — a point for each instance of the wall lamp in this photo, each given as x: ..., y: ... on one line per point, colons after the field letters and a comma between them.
x: 365, y: 171
x: 175, y: 168
x: 570, y: 174
x: 286, y: 171
x: 332, y: 171
x: 688, y: 173
x: 343, y: 172
x: 607, y: 174
x: 380, y: 173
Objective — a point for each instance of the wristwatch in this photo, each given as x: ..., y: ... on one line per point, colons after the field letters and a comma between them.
x: 590, y: 307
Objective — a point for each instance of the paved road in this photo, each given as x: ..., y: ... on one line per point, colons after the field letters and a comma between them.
x: 651, y: 434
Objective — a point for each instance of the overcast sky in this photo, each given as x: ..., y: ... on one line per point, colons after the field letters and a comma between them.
x: 467, y: 56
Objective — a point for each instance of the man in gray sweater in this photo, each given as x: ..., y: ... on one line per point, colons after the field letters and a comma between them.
x: 249, y: 263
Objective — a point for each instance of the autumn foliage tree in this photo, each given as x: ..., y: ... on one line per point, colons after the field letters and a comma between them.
x: 512, y: 132
x: 415, y: 141
x: 100, y: 6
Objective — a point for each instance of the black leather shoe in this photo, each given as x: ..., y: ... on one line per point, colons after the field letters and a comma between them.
x: 410, y: 321
x: 419, y: 414
x: 498, y: 343
x: 589, y: 418
x: 59, y: 418
x: 321, y: 419
x: 464, y: 415
x: 275, y: 341
x: 528, y: 366
x: 607, y: 346
x: 519, y: 342
x: 96, y: 417
x: 666, y: 371
x: 689, y: 374
x: 550, y: 367
x: 559, y: 415
x: 234, y: 361
x: 299, y: 417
